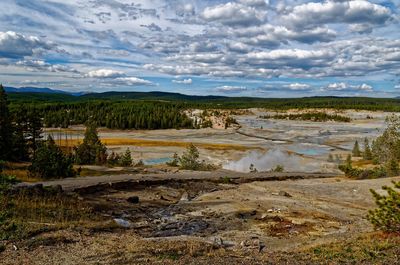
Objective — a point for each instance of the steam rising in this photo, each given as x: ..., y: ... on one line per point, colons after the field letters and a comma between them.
x: 269, y: 160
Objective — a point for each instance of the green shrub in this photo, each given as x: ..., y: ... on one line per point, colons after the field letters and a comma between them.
x: 278, y: 168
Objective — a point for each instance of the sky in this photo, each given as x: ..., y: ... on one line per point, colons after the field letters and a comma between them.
x: 262, y: 48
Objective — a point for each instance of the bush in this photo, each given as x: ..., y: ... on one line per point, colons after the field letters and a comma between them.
x: 113, y: 159
x: 387, y: 216
x: 278, y: 168
x: 140, y: 163
x: 5, y: 180
x: 358, y: 173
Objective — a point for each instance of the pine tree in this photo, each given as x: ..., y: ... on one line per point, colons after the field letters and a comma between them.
x: 34, y: 129
x: 387, y: 216
x: 189, y: 159
x: 392, y: 167
x: 126, y: 159
x: 367, y: 154
x: 50, y: 162
x: 92, y: 150
x: 6, y: 130
x: 356, y: 150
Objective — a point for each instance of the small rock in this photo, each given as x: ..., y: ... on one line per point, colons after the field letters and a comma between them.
x: 284, y: 193
x: 263, y: 216
x: 133, y: 199
x: 218, y: 241
x: 185, y: 197
x: 274, y: 210
x: 122, y: 222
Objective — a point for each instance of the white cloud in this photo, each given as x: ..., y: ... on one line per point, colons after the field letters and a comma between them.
x: 346, y: 87
x: 257, y: 3
x: 133, y: 81
x: 40, y: 65
x: 337, y: 86
x: 234, y: 14
x: 330, y: 11
x: 16, y: 45
x: 365, y: 87
x: 188, y: 81
x: 297, y: 58
x: 231, y: 89
x: 297, y: 86
x: 105, y: 73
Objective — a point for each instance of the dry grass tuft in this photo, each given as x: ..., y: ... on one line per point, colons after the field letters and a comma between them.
x: 25, y: 213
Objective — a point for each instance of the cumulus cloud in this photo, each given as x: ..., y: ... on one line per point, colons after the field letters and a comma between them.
x: 108, y: 76
x: 297, y: 86
x: 234, y: 14
x: 188, y: 81
x: 285, y: 87
x: 231, y: 89
x: 133, y: 81
x: 353, y: 11
x: 290, y: 57
x: 40, y: 65
x: 105, y: 73
x: 256, y: 3
x: 16, y: 45
x: 238, y: 47
x: 341, y: 86
x: 186, y: 10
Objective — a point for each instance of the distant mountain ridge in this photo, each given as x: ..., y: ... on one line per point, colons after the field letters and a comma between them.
x: 44, y: 90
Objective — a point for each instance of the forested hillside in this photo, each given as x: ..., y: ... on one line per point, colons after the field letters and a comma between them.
x: 113, y: 115
x: 386, y: 104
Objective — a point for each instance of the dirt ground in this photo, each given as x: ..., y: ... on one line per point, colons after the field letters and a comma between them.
x: 181, y: 222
